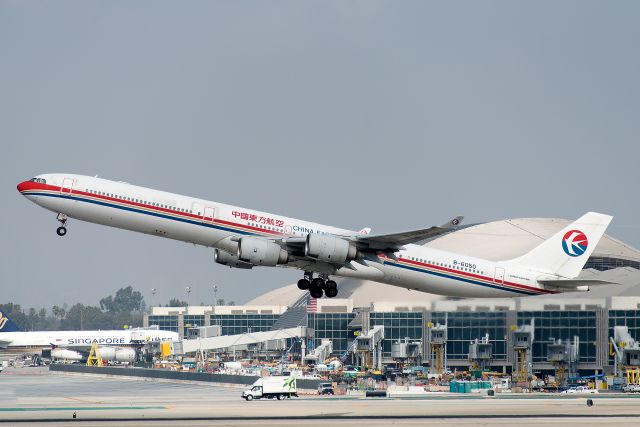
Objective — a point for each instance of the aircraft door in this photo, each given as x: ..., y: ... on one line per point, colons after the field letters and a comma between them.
x: 67, y: 185
x: 209, y: 214
x: 499, y: 275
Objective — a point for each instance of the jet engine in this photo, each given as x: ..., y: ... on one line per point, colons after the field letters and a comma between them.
x: 261, y: 252
x: 329, y: 249
x: 63, y: 353
x: 225, y: 258
x: 118, y: 354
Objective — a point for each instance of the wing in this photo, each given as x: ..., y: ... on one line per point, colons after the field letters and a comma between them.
x: 397, y: 240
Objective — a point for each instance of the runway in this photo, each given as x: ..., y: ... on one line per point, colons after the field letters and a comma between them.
x: 34, y: 396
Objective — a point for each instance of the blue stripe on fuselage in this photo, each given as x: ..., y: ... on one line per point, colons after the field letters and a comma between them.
x: 156, y: 214
x: 473, y: 282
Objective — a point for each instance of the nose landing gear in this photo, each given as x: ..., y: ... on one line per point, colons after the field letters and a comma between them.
x: 62, y: 230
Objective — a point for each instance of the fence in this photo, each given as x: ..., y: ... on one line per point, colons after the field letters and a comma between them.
x: 304, y: 384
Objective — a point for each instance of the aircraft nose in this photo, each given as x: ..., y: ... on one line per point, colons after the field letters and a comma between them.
x: 23, y: 186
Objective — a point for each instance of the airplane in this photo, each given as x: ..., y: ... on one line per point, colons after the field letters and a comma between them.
x: 73, y: 345
x: 246, y: 238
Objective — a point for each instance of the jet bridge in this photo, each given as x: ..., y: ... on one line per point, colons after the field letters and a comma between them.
x: 480, y: 353
x: 231, y: 341
x: 563, y: 355
x: 627, y: 354
x: 319, y: 354
x: 368, y: 347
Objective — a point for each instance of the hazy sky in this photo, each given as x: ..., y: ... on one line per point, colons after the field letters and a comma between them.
x: 394, y: 115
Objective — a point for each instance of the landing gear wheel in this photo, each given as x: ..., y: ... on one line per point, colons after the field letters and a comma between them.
x: 316, y: 292
x: 304, y: 284
x: 331, y: 292
x: 62, y: 219
x: 317, y: 283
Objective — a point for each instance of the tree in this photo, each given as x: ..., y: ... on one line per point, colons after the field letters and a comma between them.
x: 125, y: 301
x: 33, y: 319
x: 175, y: 302
x: 83, y: 317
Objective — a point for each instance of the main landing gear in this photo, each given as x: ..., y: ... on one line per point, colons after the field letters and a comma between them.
x: 62, y: 230
x: 318, y: 286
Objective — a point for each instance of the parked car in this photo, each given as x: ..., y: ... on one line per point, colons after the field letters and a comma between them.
x: 631, y: 388
x: 580, y: 390
x: 325, y: 388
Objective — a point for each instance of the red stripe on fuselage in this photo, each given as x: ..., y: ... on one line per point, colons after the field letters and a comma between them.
x: 35, y: 186
x: 476, y: 276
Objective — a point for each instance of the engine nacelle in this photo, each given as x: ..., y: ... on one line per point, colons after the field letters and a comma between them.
x: 329, y: 248
x: 117, y: 354
x: 261, y: 252
x: 225, y: 258
x: 64, y: 354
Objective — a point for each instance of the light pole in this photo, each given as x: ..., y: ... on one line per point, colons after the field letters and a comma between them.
x: 153, y: 298
x: 215, y: 295
x: 188, y: 289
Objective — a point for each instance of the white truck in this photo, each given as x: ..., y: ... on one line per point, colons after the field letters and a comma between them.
x: 270, y: 387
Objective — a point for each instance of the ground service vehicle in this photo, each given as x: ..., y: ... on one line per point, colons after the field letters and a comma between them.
x: 580, y: 390
x: 270, y: 387
x: 325, y: 388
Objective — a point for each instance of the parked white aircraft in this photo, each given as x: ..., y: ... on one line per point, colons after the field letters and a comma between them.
x: 245, y: 238
x: 73, y: 345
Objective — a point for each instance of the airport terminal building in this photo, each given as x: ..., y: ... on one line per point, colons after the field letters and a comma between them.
x: 427, y: 329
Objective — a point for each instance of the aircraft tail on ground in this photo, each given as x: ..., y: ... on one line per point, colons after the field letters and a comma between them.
x: 565, y: 253
x: 6, y: 324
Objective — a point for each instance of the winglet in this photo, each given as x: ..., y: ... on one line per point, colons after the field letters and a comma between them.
x: 454, y: 223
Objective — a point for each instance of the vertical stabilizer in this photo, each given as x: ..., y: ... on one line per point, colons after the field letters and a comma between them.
x: 566, y: 252
x: 6, y: 324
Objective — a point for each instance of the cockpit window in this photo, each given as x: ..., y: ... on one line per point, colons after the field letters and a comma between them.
x: 40, y: 180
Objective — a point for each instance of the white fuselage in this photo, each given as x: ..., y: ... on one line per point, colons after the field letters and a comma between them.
x: 215, y: 225
x: 83, y: 339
